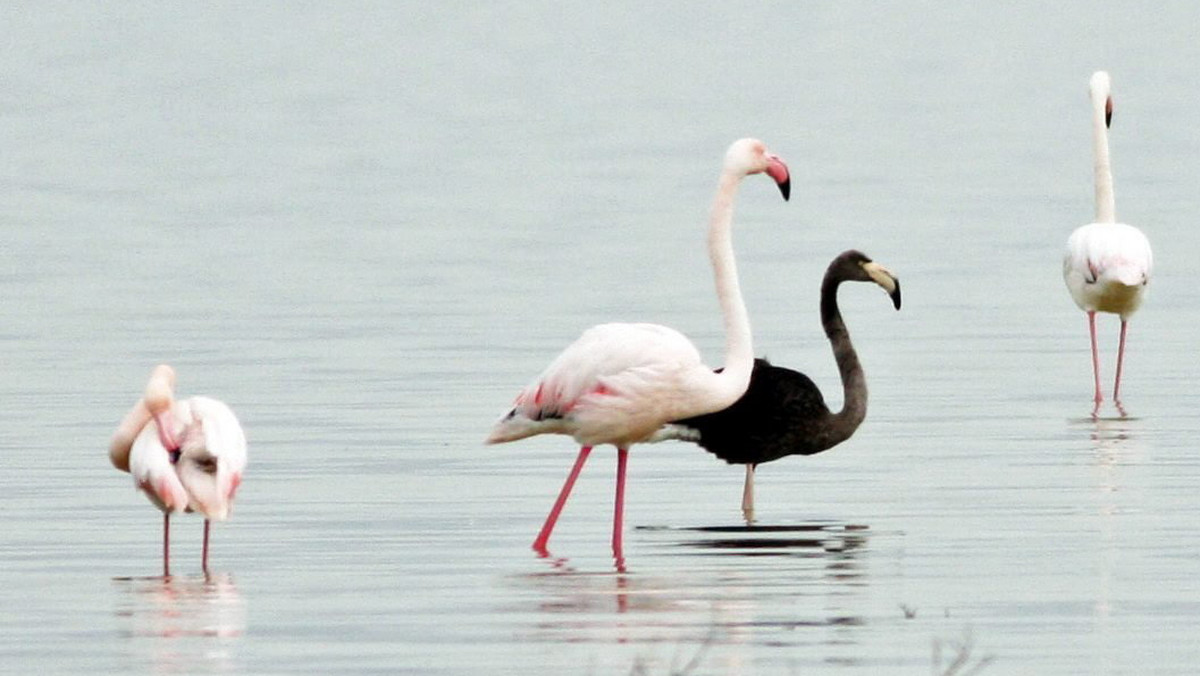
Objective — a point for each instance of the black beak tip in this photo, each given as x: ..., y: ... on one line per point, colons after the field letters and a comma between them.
x: 786, y: 189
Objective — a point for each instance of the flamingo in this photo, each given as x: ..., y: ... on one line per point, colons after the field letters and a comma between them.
x: 783, y: 413
x: 619, y: 383
x: 184, y: 455
x: 1107, y: 264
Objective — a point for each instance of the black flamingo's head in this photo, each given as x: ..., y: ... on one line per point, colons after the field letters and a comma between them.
x: 855, y: 266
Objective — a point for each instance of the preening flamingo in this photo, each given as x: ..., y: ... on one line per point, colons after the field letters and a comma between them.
x: 1107, y: 264
x: 783, y: 413
x: 619, y: 383
x: 184, y: 455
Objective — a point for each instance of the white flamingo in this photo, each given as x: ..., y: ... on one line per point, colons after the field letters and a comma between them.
x: 619, y: 383
x: 184, y: 455
x: 1107, y: 264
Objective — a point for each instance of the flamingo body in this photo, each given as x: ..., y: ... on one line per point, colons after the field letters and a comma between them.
x: 616, y: 384
x: 1107, y: 267
x: 209, y: 463
x: 782, y: 413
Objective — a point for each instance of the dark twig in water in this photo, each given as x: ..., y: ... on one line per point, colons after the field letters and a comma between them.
x: 962, y: 657
x: 691, y: 665
x: 639, y: 665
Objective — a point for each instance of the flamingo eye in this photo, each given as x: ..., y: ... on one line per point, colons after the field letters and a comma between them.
x: 208, y: 465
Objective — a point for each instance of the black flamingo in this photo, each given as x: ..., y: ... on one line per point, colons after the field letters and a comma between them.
x: 783, y: 413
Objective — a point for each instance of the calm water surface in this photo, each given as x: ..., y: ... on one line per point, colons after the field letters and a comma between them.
x: 366, y: 229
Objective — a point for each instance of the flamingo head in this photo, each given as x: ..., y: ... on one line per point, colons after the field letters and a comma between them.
x: 210, y: 482
x: 159, y: 399
x: 750, y: 156
x: 857, y: 266
x: 1100, y: 88
x: 160, y: 389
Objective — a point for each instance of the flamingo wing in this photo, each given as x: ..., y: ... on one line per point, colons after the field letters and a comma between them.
x: 612, y: 376
x: 154, y: 473
x: 223, y: 434
x: 212, y: 458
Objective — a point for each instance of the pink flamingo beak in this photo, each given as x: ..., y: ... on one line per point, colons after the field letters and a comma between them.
x: 778, y: 171
x: 162, y: 421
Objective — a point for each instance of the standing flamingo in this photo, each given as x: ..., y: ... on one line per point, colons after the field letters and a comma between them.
x: 190, y: 458
x: 619, y: 383
x: 1107, y: 265
x: 783, y: 413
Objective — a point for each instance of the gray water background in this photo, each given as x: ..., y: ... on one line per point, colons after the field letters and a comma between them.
x: 366, y: 226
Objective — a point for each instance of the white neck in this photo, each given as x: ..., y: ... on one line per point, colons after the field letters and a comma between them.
x: 739, y: 347
x: 1105, y: 207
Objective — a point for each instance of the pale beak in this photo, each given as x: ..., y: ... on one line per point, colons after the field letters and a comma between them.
x: 881, y: 276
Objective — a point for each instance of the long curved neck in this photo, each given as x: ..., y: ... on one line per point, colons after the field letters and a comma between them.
x: 1105, y: 206
x: 122, y: 440
x: 739, y: 347
x: 854, y: 382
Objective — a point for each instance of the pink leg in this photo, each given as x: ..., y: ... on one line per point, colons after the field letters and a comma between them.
x: 1095, y: 362
x: 204, y: 551
x: 1120, y: 362
x: 619, y: 507
x: 166, y: 544
x: 539, y: 545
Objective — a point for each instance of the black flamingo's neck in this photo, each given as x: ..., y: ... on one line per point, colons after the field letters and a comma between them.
x: 854, y: 382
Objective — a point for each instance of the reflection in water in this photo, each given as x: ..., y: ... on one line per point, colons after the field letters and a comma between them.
x: 1113, y: 444
x: 729, y: 588
x: 1109, y: 435
x: 790, y: 540
x: 181, y: 624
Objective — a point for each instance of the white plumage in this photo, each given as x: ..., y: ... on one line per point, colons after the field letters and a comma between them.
x: 212, y: 458
x: 616, y: 384
x: 1107, y: 267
